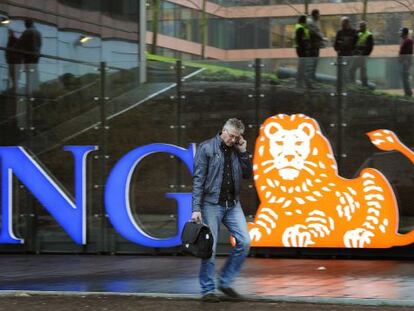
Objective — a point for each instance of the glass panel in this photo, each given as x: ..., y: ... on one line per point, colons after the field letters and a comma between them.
x: 61, y: 102
x: 146, y: 114
x: 73, y: 107
x: 54, y: 102
x: 311, y: 95
x: 381, y: 106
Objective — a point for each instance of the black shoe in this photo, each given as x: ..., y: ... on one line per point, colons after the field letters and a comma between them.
x: 230, y: 292
x: 212, y: 298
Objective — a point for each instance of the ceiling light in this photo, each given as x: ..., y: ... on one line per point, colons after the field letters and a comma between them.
x: 5, y: 21
x: 84, y: 39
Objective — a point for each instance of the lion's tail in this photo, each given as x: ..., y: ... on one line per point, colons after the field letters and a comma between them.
x: 404, y: 239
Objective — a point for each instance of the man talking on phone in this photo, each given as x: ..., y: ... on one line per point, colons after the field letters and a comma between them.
x: 219, y: 165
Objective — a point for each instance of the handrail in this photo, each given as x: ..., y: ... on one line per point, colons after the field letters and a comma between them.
x: 57, y: 58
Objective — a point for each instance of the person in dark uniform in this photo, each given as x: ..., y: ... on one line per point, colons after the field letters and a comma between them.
x: 344, y: 45
x: 405, y: 60
x: 346, y: 38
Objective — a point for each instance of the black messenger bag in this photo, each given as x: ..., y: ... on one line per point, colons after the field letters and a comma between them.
x: 197, y: 240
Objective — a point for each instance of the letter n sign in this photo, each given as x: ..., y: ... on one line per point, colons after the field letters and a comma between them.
x: 70, y: 215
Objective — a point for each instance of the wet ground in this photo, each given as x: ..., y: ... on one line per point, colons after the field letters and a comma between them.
x: 169, y: 278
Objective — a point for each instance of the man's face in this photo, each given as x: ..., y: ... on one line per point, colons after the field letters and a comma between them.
x: 230, y: 136
x: 345, y: 24
x: 362, y: 27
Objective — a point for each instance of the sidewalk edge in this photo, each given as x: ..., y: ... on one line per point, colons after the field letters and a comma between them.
x: 249, y: 298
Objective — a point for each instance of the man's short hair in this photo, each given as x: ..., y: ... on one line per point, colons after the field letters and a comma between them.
x: 236, y: 124
x: 302, y: 19
x: 315, y: 12
x: 344, y: 18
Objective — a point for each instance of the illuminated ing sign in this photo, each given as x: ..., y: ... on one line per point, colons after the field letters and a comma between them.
x: 303, y: 200
x: 71, y: 214
x: 305, y: 203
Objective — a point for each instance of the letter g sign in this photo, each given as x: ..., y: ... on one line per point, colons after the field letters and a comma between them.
x: 117, y: 195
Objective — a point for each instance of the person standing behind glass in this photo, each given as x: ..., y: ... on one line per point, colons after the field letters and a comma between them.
x: 13, y: 59
x: 30, y: 43
x: 344, y: 45
x: 316, y: 41
x: 363, y: 49
x: 220, y: 164
x: 302, y: 45
x: 405, y: 60
x: 346, y: 38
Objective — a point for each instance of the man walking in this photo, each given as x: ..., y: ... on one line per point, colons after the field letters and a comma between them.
x: 364, y: 47
x: 405, y: 60
x: 219, y: 165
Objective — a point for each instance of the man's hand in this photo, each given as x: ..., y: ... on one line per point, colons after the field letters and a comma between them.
x: 242, y: 145
x: 196, y: 216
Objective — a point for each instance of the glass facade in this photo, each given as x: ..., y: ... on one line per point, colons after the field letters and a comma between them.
x: 275, y: 2
x: 268, y: 32
x: 86, y: 31
x: 181, y: 104
x: 85, y: 90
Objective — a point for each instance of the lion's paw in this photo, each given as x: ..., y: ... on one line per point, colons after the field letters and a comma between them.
x: 358, y: 238
x: 254, y: 231
x: 384, y: 139
x: 297, y: 236
x: 255, y: 234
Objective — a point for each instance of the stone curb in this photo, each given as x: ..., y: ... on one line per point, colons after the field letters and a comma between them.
x: 248, y: 298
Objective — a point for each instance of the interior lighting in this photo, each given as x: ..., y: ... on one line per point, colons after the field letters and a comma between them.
x: 5, y: 21
x: 84, y: 39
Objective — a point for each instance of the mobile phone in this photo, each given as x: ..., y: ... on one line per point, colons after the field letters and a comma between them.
x: 238, y: 139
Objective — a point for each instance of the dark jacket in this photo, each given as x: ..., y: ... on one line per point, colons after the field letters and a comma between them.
x: 12, y: 57
x: 345, y: 42
x: 366, y: 48
x: 406, y: 51
x: 30, y: 42
x: 302, y: 43
x: 316, y: 36
x: 302, y: 40
x: 208, y: 172
x: 406, y: 46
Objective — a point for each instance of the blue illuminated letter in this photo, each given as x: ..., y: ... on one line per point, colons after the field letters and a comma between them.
x: 71, y: 216
x: 117, y: 196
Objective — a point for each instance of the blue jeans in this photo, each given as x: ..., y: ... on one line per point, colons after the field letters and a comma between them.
x: 233, y: 218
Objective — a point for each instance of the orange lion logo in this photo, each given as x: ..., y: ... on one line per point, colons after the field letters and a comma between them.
x: 305, y: 203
